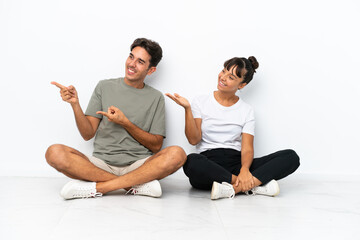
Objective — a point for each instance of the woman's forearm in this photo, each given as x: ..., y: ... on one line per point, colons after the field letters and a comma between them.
x: 192, y: 132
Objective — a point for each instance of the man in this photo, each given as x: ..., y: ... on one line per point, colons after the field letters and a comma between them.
x: 127, y: 118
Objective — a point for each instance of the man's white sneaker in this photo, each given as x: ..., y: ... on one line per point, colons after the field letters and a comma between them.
x: 223, y: 190
x: 79, y: 189
x: 151, y: 189
x: 270, y: 189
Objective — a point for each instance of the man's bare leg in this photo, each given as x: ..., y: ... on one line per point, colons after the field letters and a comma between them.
x: 162, y: 164
x: 74, y: 164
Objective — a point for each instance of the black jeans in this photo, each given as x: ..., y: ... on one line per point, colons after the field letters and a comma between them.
x: 220, y: 164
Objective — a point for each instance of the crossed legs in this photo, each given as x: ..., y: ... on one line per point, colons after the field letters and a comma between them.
x: 223, y: 165
x: 76, y: 165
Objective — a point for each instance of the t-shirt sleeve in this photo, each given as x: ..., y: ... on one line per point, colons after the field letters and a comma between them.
x: 195, y: 108
x: 158, y: 123
x: 95, y: 103
x: 249, y: 126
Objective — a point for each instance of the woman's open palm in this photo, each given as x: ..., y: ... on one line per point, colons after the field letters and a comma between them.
x: 179, y: 100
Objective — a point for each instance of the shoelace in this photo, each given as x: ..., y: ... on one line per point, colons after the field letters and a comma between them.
x: 131, y: 191
x: 250, y: 193
x: 98, y: 194
x: 87, y: 195
x: 85, y: 192
x: 232, y: 195
x: 138, y: 189
x: 257, y: 190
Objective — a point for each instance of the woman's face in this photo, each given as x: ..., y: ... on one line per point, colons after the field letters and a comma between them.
x: 228, y: 81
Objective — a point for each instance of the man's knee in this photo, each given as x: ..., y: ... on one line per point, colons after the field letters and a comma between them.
x: 176, y: 156
x: 55, y: 155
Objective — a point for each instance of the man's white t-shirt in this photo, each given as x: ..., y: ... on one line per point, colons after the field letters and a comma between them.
x: 221, y: 126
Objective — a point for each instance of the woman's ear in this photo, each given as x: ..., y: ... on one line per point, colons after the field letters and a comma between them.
x: 242, y: 85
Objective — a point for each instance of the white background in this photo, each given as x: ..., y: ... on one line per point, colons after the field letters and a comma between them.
x: 305, y: 93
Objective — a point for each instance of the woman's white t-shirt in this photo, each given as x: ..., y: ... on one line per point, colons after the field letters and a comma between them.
x: 221, y: 127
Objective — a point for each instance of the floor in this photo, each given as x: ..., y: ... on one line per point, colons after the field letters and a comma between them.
x: 308, y: 207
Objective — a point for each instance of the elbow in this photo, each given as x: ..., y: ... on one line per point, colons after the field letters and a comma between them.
x: 156, y: 149
x: 87, y: 137
x: 194, y: 141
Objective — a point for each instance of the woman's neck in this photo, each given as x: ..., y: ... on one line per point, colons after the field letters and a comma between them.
x: 225, y: 99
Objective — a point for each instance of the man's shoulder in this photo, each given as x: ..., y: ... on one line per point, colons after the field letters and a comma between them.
x: 153, y: 91
x: 109, y: 85
x: 109, y: 81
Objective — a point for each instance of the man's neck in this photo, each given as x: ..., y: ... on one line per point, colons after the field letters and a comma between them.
x: 135, y: 83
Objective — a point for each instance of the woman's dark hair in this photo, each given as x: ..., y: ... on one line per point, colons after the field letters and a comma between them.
x: 152, y: 47
x: 249, y: 65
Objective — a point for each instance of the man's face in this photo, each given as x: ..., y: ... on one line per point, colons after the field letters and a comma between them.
x: 137, y: 65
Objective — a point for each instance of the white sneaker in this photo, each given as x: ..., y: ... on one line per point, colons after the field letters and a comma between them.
x: 270, y: 189
x: 223, y: 190
x: 79, y: 189
x: 151, y: 189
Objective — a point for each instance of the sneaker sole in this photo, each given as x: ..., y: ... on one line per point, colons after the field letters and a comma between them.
x: 278, y: 190
x: 213, y: 189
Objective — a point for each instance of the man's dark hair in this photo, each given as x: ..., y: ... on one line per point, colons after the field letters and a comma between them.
x: 152, y: 47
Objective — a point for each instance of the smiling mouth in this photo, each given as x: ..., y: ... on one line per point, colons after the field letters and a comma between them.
x: 131, y: 71
x: 221, y: 84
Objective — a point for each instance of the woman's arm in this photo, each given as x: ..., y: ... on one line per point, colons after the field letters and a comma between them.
x: 192, y: 126
x: 245, y: 178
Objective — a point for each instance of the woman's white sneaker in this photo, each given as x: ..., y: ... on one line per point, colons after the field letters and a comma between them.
x: 270, y: 189
x: 223, y: 190
x: 79, y: 189
x: 151, y: 189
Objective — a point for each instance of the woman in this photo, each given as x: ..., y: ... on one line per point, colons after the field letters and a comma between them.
x: 221, y: 126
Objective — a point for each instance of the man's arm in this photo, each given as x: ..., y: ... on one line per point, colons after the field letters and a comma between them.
x: 87, y: 125
x: 151, y: 141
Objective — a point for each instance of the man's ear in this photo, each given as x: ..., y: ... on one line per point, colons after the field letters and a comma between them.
x: 151, y: 70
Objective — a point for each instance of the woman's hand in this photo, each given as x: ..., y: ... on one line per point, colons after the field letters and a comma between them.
x: 192, y: 126
x: 245, y: 180
x: 179, y: 100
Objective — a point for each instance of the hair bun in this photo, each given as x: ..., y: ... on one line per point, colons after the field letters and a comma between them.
x: 253, y: 62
